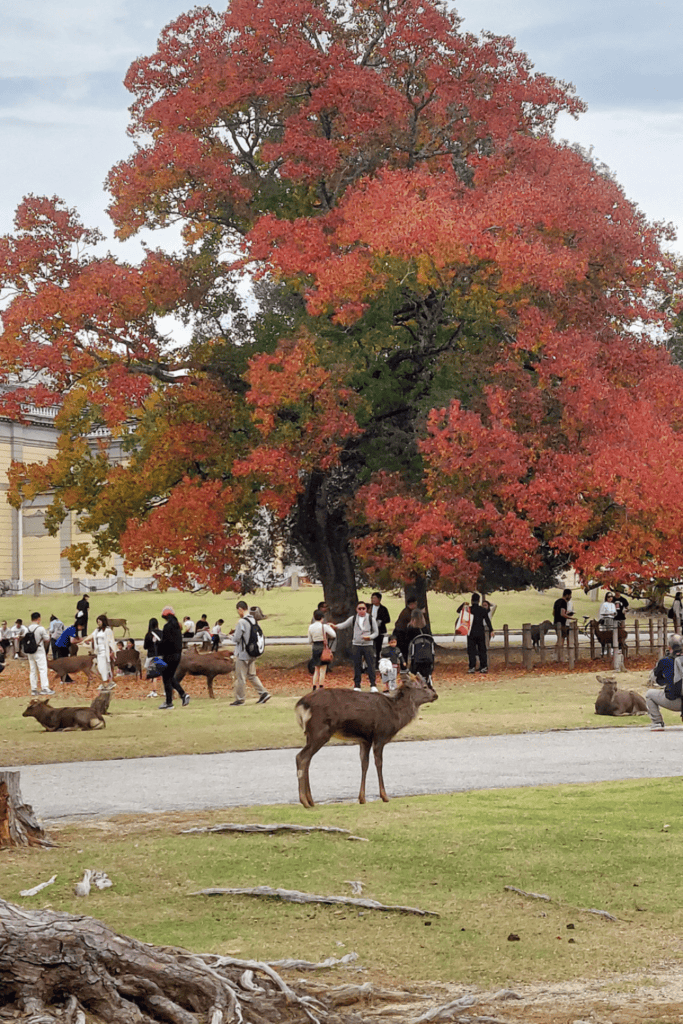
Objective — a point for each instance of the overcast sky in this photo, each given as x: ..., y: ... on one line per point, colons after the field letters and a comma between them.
x: 63, y: 108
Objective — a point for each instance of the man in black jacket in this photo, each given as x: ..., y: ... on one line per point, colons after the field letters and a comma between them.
x: 381, y: 616
x: 82, y: 609
x: 170, y: 649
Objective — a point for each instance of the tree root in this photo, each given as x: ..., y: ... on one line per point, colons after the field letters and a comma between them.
x: 294, y: 896
x: 270, y: 830
x: 55, y: 965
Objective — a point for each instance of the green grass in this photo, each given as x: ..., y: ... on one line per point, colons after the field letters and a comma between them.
x: 289, y: 611
x: 611, y: 847
x: 476, y: 707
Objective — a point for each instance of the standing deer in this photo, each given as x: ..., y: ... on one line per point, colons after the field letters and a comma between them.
x: 369, y: 719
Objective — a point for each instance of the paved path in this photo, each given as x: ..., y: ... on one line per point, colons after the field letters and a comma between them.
x: 204, y: 781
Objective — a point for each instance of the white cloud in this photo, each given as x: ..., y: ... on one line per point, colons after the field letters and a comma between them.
x: 645, y: 151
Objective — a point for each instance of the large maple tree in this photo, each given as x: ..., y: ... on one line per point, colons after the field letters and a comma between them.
x: 421, y: 334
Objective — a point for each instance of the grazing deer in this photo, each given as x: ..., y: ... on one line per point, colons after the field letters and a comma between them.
x: 369, y: 719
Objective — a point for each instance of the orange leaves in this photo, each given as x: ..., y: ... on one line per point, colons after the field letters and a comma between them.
x: 189, y: 538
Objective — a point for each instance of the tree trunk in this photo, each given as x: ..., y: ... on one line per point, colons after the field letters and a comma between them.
x: 18, y: 824
x: 49, y: 961
x: 321, y: 531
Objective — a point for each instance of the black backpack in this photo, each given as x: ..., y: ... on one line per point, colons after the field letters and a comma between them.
x: 256, y: 643
x: 421, y: 651
x: 30, y: 644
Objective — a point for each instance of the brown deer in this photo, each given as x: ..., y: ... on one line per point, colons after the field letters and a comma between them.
x: 209, y: 665
x: 118, y: 623
x: 63, y: 719
x: 605, y: 637
x: 612, y: 701
x: 369, y: 719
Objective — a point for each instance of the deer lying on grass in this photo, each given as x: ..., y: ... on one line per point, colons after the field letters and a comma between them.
x: 369, y: 719
x: 612, y: 701
x: 63, y: 719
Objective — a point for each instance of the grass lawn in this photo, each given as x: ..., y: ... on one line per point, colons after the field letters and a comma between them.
x: 610, y: 847
x: 468, y: 706
x: 289, y: 611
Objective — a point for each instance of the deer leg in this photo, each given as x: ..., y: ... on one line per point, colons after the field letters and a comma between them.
x: 209, y: 685
x: 364, y: 762
x: 378, y: 751
x: 303, y: 760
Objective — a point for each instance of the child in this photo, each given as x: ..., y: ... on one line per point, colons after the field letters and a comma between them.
x: 216, y: 635
x: 391, y: 662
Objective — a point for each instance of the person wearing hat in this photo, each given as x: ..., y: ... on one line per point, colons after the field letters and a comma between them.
x: 170, y: 649
x: 668, y: 677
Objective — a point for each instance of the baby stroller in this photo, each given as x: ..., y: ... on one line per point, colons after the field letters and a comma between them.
x: 421, y: 656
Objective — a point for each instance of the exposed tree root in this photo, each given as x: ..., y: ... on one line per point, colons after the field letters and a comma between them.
x: 294, y: 896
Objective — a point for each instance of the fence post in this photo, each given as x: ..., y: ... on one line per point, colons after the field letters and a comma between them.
x: 574, y: 639
x: 591, y: 638
x: 119, y: 584
x: 36, y: 588
x: 617, y: 656
x: 76, y: 585
x: 541, y: 644
x: 506, y: 644
x: 636, y: 630
x: 527, y: 646
x: 652, y: 635
x: 570, y: 650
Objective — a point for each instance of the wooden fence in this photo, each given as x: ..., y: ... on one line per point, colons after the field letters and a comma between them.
x: 644, y: 636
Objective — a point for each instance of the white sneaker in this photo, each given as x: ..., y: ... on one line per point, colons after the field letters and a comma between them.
x: 373, y: 689
x: 655, y: 727
x: 47, y: 693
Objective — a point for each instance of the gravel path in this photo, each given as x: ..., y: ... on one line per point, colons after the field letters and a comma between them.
x: 204, y: 781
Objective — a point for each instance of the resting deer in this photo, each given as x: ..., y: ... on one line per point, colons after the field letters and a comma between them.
x: 370, y: 719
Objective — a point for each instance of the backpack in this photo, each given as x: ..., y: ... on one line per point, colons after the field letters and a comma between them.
x: 256, y: 643
x: 421, y: 650
x: 29, y: 643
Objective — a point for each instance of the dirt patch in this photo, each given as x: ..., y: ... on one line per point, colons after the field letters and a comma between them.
x: 655, y: 996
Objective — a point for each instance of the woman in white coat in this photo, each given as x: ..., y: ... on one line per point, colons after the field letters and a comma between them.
x: 102, y: 639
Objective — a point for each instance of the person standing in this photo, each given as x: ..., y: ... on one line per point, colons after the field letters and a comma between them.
x: 82, y: 609
x: 171, y: 649
x: 362, y: 646
x: 55, y: 629
x: 476, y: 638
x: 381, y: 618
x: 317, y: 632
x: 676, y: 612
x: 150, y: 644
x: 561, y: 615
x: 37, y: 660
x: 217, y: 635
x: 401, y: 626
x: 245, y: 663
x: 104, y: 645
